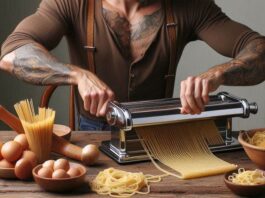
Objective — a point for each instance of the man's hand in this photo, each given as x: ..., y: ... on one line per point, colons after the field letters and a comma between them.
x: 194, y: 91
x: 248, y: 68
x: 95, y: 93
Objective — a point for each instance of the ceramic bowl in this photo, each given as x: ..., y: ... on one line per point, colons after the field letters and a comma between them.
x: 62, y: 131
x: 60, y: 185
x: 244, y: 190
x: 256, y: 154
x: 7, y: 173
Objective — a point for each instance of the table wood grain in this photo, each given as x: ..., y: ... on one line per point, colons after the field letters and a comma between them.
x: 170, y: 187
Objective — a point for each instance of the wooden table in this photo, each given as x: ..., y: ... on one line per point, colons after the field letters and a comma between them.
x: 170, y: 187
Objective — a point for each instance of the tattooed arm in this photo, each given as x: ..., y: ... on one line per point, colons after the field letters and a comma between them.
x: 248, y: 68
x: 34, y: 64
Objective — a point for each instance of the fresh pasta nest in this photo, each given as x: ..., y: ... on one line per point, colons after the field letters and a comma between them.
x: 118, y: 183
x: 247, y: 177
x: 258, y: 139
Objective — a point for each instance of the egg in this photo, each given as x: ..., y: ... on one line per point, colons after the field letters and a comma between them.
x: 6, y: 164
x: 60, y: 174
x: 22, y: 140
x: 29, y: 155
x: 11, y: 151
x: 73, y: 172
x: 61, y: 164
x: 1, y: 144
x: 45, y: 172
x: 48, y: 164
x: 90, y: 154
x: 23, y: 169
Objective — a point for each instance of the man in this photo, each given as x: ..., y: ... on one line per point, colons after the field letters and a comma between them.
x: 131, y: 51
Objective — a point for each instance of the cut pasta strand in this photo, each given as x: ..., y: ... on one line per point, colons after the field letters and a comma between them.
x: 182, y: 149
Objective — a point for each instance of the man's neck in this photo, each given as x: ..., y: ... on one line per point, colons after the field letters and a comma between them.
x: 129, y: 7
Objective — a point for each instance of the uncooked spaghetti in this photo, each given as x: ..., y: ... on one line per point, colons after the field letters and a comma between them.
x: 38, y: 128
x: 247, y: 177
x: 118, y: 183
x: 182, y: 149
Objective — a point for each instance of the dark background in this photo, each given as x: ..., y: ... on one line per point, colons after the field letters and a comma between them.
x: 13, y: 90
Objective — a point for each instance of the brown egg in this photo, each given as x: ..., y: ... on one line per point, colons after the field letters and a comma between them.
x: 48, y: 164
x: 1, y: 144
x: 29, y: 155
x: 22, y: 140
x: 6, y: 164
x: 61, y: 164
x: 45, y: 172
x: 73, y: 172
x: 11, y: 151
x: 23, y: 169
x: 90, y: 154
x: 60, y: 174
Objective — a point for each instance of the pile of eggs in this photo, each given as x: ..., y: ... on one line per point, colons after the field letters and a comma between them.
x: 16, y: 154
x: 59, y: 169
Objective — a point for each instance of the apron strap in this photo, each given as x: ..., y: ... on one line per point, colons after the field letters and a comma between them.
x: 90, y: 55
x: 172, y: 34
x: 90, y: 35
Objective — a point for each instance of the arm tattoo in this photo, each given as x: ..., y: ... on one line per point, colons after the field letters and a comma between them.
x: 34, y: 64
x: 248, y: 68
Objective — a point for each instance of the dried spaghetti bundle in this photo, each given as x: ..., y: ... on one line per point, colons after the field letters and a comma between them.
x: 38, y: 128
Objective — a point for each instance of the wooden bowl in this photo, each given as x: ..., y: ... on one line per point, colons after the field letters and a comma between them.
x: 244, y: 190
x: 60, y: 185
x: 256, y: 154
x: 7, y: 173
x: 62, y: 131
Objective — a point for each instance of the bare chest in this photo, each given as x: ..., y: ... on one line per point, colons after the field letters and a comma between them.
x: 134, y: 36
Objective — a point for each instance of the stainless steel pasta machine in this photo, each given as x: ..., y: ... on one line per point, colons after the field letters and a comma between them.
x: 125, y: 146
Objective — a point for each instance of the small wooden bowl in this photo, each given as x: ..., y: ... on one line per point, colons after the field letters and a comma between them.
x: 60, y: 185
x: 256, y: 154
x: 7, y: 173
x: 244, y: 190
x: 62, y: 131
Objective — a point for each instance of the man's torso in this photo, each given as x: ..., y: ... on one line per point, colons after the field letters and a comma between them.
x: 134, y: 32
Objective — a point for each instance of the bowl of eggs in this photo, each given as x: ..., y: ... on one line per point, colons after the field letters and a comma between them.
x: 253, y: 142
x: 246, y: 182
x: 16, y: 161
x: 60, y: 175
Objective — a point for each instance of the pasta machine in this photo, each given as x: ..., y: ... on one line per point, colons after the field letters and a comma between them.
x: 124, y: 145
